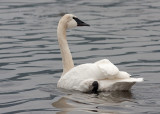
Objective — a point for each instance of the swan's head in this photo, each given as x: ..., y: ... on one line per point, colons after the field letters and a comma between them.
x: 71, y: 21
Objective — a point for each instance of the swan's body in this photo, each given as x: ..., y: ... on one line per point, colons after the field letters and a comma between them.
x: 99, y: 76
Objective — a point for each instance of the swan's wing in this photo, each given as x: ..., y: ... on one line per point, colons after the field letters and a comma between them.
x: 118, y: 85
x: 108, y: 69
x: 123, y: 75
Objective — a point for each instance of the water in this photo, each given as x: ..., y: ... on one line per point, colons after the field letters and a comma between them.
x: 124, y: 31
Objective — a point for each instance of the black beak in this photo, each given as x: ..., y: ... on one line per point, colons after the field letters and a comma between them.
x: 79, y: 22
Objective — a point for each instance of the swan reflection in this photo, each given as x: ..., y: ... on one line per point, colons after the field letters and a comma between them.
x: 91, y: 102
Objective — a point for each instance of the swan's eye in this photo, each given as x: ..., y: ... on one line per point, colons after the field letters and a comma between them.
x: 79, y: 22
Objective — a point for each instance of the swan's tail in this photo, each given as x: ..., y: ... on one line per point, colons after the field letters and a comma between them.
x: 118, y: 85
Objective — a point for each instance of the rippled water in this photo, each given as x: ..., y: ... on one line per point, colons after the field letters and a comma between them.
x: 127, y: 32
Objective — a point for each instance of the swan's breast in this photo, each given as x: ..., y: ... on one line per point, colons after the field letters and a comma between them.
x: 80, y: 74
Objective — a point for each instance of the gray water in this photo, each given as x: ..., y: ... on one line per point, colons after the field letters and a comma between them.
x: 127, y: 32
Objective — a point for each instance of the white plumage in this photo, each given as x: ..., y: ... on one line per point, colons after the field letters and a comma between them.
x: 107, y: 74
x: 81, y: 77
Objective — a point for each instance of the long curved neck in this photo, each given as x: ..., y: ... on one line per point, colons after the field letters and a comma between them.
x: 64, y: 48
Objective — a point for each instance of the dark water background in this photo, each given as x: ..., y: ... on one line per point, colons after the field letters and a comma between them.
x: 127, y: 32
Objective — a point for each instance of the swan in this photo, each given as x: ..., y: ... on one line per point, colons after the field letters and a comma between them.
x: 90, y: 77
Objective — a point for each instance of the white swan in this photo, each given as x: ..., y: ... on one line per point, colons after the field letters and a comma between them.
x: 91, y: 77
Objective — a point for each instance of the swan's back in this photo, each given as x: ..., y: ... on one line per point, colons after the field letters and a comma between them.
x: 81, y: 77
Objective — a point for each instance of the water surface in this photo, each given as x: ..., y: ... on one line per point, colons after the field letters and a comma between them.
x: 124, y: 31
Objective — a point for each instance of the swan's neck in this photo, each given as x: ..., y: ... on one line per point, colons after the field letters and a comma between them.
x: 64, y: 48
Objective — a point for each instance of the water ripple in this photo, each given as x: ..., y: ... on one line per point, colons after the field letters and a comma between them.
x: 125, y: 32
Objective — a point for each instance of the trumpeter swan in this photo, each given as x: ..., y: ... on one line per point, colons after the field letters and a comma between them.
x: 90, y: 77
